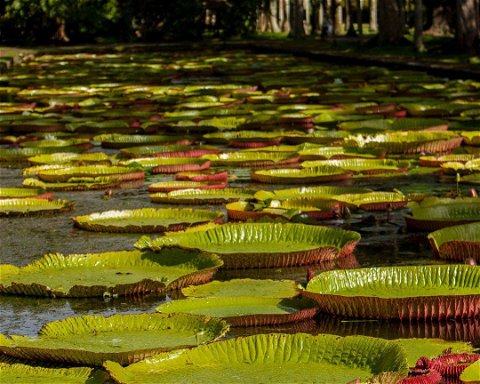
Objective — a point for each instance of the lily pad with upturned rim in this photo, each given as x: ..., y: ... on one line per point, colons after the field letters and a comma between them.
x: 120, y: 273
x: 270, y: 358
x: 119, y: 173
x: 146, y: 220
x: 433, y: 292
x: 374, y: 201
x: 246, y: 311
x: 169, y: 186
x: 20, y: 193
x: 31, y: 206
x: 126, y: 339
x: 22, y: 373
x: 262, y: 245
x: 299, y: 176
x: 200, y: 196
x: 459, y: 242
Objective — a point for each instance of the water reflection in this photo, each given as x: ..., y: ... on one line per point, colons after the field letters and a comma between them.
x: 26, y: 315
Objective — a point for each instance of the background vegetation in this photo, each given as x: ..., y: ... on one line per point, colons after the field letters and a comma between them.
x: 388, y: 21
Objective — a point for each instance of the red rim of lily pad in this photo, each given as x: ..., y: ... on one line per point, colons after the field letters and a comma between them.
x: 215, y: 176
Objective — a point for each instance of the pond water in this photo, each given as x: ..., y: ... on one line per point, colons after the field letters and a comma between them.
x: 385, y: 239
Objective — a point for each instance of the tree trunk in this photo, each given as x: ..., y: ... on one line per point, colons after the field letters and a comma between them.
x: 297, y: 29
x: 468, y: 25
x: 284, y: 19
x: 271, y: 16
x: 373, y: 25
x: 349, y: 24
x: 439, y: 17
x: 418, y: 35
x: 60, y: 35
x: 338, y: 12
x: 391, y: 22
x: 327, y: 25
x: 315, y: 20
x: 360, y: 17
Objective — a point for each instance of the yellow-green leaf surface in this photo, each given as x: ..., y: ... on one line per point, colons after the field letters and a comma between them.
x: 27, y: 206
x: 240, y: 238
x: 23, y: 374
x: 399, y: 282
x: 280, y: 358
x: 471, y: 374
x: 110, y: 273
x: 200, y: 196
x: 146, y: 219
x: 93, y: 339
x: 244, y: 287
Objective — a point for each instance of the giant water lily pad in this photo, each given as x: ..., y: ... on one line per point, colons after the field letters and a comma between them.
x: 22, y: 373
x: 169, y: 164
x: 431, y: 215
x: 471, y: 374
x: 299, y: 176
x: 374, y: 201
x: 65, y: 157
x: 121, y: 273
x: 126, y: 339
x: 169, y: 186
x: 18, y: 193
x: 147, y: 220
x: 262, y: 245
x: 410, y: 142
x: 459, y: 242
x: 32, y: 206
x: 270, y: 358
x: 253, y: 159
x: 200, y: 196
x: 433, y: 292
x: 311, y: 193
x: 115, y: 172
x: 364, y: 166
x: 81, y: 184
x: 246, y: 311
x: 244, y: 287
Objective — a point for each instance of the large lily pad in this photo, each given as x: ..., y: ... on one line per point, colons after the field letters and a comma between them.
x: 126, y: 339
x: 262, y: 245
x: 253, y: 159
x: 121, y: 273
x: 433, y: 292
x: 364, y: 166
x: 459, y: 242
x: 431, y: 215
x: 169, y: 164
x: 200, y: 196
x: 22, y: 373
x: 82, y: 184
x: 18, y: 193
x: 374, y: 201
x: 270, y: 358
x: 241, y: 311
x: 114, y: 172
x: 311, y: 193
x: 471, y: 374
x: 32, y: 206
x: 147, y: 220
x: 299, y: 176
x: 244, y: 287
x: 169, y: 186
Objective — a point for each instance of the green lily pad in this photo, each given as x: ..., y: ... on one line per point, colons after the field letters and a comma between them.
x: 252, y: 159
x: 240, y: 311
x: 126, y: 339
x: 262, y: 245
x: 147, y: 220
x: 32, y: 206
x: 117, y: 273
x: 300, y: 176
x: 367, y: 166
x: 244, y: 287
x: 433, y: 292
x: 201, y: 196
x: 81, y: 184
x: 375, y: 201
x: 471, y: 374
x: 270, y: 358
x: 459, y: 242
x: 65, y: 157
x: 22, y: 373
x: 431, y: 215
x: 67, y: 173
x: 9, y: 193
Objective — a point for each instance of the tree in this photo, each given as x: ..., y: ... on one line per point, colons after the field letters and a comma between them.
x: 439, y: 17
x: 297, y: 13
x: 468, y: 25
x: 373, y: 25
x: 418, y: 36
x: 391, y: 22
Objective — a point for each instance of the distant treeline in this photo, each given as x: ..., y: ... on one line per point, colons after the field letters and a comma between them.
x: 80, y: 21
